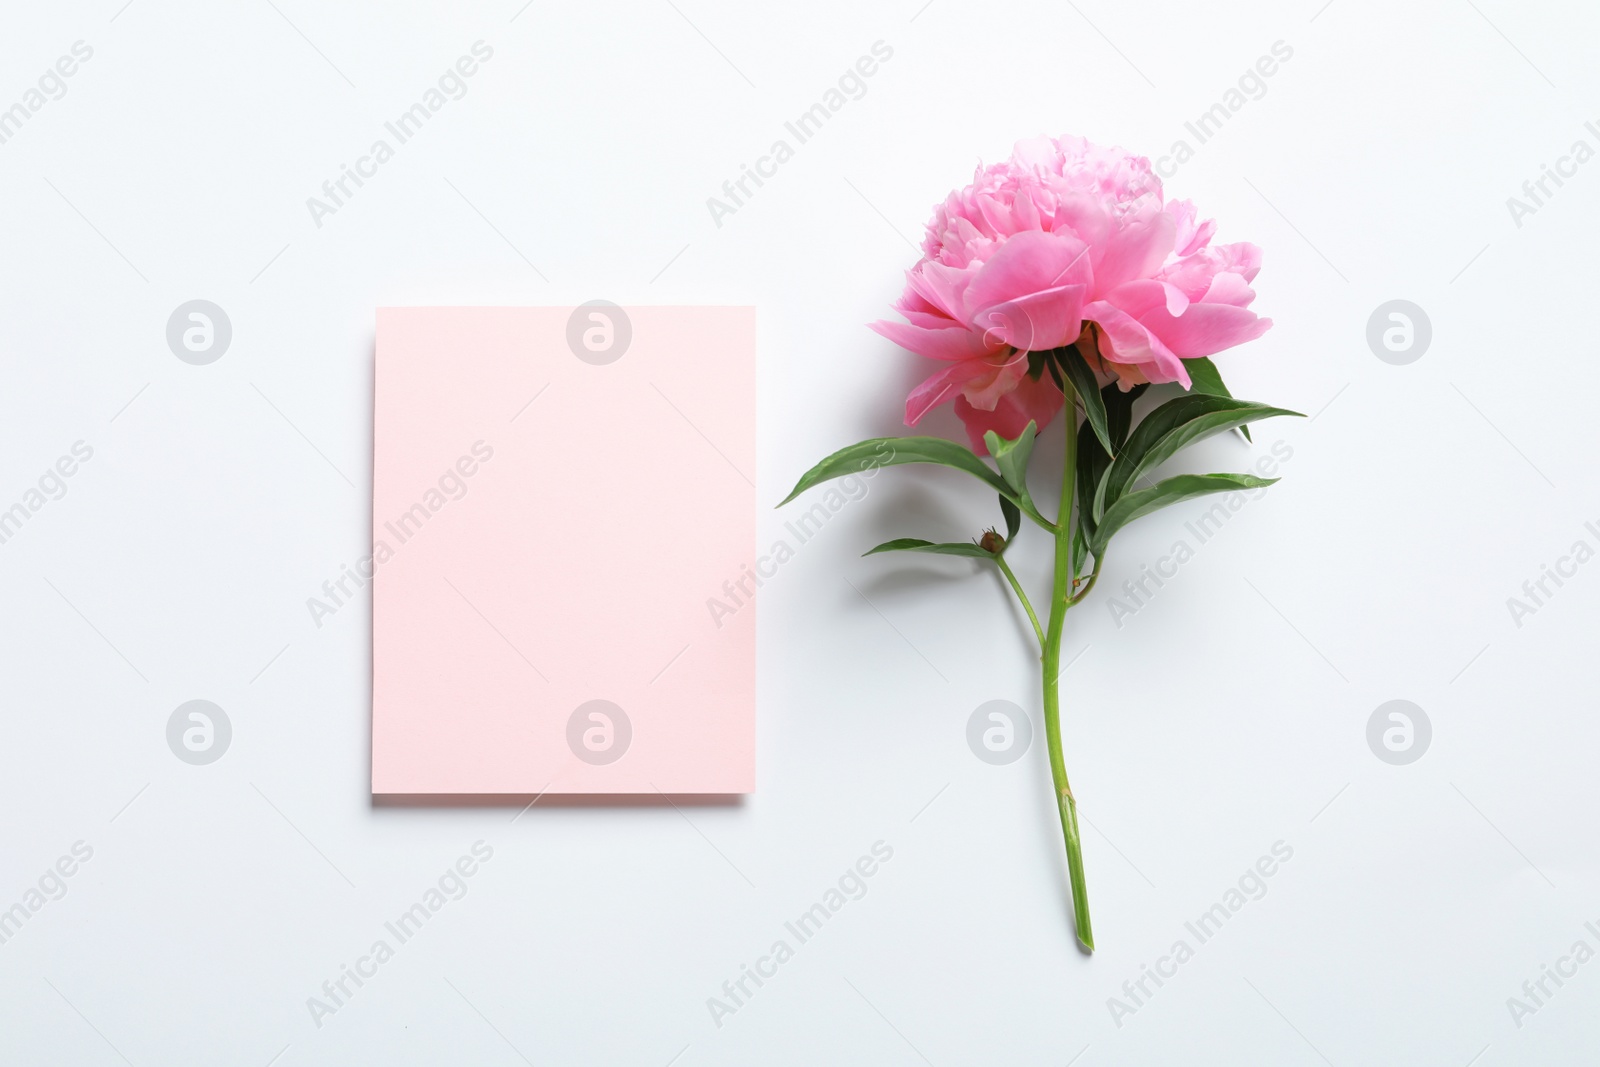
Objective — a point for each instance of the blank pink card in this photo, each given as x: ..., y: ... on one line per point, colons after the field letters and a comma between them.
x: 561, y: 499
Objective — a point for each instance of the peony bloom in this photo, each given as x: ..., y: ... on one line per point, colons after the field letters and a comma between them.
x: 1065, y: 240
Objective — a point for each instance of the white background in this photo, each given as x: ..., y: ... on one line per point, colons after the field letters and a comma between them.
x: 1228, y: 714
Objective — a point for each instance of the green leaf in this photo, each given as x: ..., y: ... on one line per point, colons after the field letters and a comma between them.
x: 1179, y: 422
x: 1055, y: 371
x: 1012, y: 456
x: 1093, y: 459
x: 913, y: 544
x: 1204, y: 377
x: 1119, y: 411
x: 1083, y: 380
x: 1092, y: 463
x: 891, y: 451
x: 1013, y: 516
x: 1167, y: 491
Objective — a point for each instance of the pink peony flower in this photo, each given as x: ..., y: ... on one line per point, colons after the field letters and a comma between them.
x: 1065, y: 241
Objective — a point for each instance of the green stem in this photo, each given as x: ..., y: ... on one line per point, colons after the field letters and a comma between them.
x: 1016, y: 587
x: 1093, y: 577
x: 1060, y: 602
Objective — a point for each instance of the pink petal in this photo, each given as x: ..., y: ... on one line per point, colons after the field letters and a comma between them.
x: 1242, y: 258
x: 1227, y: 288
x: 941, y: 286
x: 1031, y: 401
x: 1191, y: 276
x: 1043, y: 320
x: 1083, y: 216
x: 919, y: 312
x: 1137, y: 297
x: 996, y: 214
x: 931, y: 320
x: 984, y: 392
x: 953, y: 343
x: 1191, y: 234
x: 1177, y: 299
x: 1128, y: 341
x: 910, y: 300
x: 1205, y: 329
x: 1024, y: 212
x: 938, y: 388
x: 1135, y: 251
x: 1034, y: 152
x: 1202, y: 237
x: 1028, y: 263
